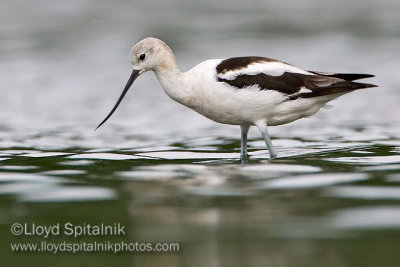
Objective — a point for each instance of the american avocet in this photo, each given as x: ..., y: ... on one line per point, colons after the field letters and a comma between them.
x: 245, y: 91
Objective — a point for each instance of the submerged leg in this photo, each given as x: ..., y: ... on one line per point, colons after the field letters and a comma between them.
x: 243, y: 143
x: 263, y: 129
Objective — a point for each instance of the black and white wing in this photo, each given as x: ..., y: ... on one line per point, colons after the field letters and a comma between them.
x: 271, y: 74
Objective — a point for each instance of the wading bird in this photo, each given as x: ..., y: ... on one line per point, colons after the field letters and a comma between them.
x: 244, y: 91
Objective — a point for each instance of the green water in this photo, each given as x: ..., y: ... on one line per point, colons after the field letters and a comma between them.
x: 334, y: 207
x: 168, y: 175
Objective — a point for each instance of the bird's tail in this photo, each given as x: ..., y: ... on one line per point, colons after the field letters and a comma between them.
x: 338, y: 83
x: 344, y: 76
x: 339, y: 87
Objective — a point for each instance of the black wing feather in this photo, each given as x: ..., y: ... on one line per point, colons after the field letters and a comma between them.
x: 344, y: 76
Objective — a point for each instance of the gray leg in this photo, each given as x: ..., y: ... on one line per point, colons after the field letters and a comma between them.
x: 263, y: 129
x: 243, y: 142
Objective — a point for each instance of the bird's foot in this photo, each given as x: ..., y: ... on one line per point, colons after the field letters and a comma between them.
x: 244, y: 157
x: 273, y: 155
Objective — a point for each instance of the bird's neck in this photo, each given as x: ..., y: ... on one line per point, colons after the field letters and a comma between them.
x: 174, y: 82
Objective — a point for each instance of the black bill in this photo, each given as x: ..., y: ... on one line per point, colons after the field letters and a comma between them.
x: 134, y: 75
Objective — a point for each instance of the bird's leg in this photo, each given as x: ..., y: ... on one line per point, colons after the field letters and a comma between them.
x: 263, y: 129
x: 243, y: 143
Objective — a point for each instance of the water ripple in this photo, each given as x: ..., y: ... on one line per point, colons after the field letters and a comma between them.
x: 367, y: 218
x: 44, y: 154
x: 68, y: 194
x: 373, y: 160
x: 364, y: 192
x: 28, y: 177
x: 315, y: 180
x: 104, y: 156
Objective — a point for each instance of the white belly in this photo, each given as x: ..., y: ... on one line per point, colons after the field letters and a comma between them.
x: 237, y: 107
x: 247, y: 106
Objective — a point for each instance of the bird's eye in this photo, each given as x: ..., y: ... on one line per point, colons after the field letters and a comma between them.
x: 142, y: 56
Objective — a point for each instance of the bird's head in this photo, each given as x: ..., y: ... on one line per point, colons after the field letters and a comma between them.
x: 148, y: 54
